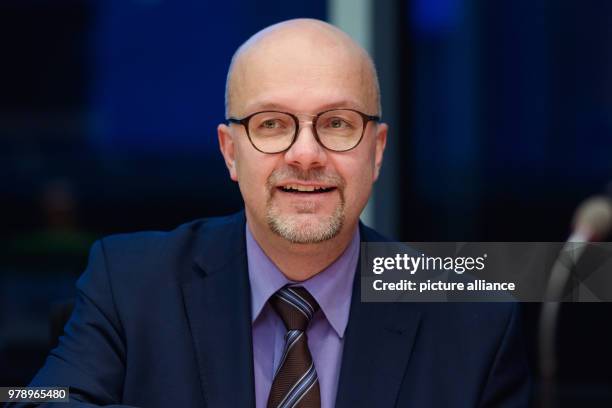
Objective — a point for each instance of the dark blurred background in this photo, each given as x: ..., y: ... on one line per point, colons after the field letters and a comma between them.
x: 500, y: 114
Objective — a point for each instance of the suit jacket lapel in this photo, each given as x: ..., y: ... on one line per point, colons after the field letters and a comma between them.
x: 378, y: 344
x: 217, y: 302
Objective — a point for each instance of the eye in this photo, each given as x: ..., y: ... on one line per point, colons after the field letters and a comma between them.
x: 271, y: 124
x: 337, y: 123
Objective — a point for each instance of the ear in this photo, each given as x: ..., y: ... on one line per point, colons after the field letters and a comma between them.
x: 381, y: 142
x: 227, y: 147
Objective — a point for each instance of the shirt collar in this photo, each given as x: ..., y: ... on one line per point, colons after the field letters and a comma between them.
x: 332, y: 288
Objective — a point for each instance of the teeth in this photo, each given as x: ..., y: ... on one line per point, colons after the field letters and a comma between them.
x: 303, y: 188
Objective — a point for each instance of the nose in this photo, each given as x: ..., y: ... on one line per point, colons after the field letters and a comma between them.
x: 306, y: 152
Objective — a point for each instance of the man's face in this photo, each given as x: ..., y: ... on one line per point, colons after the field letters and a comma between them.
x: 333, y: 186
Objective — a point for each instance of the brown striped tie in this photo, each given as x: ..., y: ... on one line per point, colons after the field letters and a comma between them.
x: 295, y: 382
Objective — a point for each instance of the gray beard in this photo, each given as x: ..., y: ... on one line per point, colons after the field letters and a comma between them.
x: 315, y: 231
x: 291, y: 227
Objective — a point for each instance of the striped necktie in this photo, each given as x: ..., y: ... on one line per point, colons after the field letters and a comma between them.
x: 295, y: 382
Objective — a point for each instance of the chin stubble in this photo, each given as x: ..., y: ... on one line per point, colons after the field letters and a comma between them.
x: 291, y: 227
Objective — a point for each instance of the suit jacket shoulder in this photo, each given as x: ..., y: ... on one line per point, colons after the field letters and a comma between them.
x: 148, y: 318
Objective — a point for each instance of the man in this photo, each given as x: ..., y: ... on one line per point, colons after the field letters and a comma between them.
x: 263, y: 308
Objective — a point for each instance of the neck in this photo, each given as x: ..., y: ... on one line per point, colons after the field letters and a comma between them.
x: 299, y: 262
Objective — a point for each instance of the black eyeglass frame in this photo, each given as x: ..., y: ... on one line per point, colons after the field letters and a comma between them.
x: 365, y: 120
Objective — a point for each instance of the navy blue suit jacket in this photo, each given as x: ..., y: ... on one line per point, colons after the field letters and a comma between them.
x: 163, y: 319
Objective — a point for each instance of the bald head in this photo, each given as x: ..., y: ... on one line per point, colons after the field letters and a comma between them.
x: 293, y: 55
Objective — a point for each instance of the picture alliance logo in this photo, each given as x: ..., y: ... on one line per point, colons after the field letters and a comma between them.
x: 413, y: 264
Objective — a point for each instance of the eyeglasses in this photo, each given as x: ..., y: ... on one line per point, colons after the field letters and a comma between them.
x: 338, y: 130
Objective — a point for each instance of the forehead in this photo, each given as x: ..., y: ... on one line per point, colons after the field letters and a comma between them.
x: 302, y: 75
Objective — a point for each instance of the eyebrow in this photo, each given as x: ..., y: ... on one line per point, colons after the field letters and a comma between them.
x: 343, y: 103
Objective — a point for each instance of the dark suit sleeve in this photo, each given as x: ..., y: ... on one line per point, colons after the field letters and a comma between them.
x: 509, y: 381
x: 90, y: 356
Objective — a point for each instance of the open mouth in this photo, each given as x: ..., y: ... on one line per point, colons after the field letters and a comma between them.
x: 300, y: 189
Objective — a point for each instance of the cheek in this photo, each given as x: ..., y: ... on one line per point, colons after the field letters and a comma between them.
x: 362, y: 185
x: 359, y: 176
x: 361, y: 179
x: 253, y: 170
x: 246, y: 163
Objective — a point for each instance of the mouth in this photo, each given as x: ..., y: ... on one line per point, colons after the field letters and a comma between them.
x: 305, y: 189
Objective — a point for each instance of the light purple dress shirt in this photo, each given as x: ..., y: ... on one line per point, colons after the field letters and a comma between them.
x: 332, y: 288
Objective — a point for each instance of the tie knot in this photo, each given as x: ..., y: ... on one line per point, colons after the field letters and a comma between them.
x: 295, y: 306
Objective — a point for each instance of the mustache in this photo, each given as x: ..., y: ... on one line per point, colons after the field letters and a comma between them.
x: 311, y: 175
